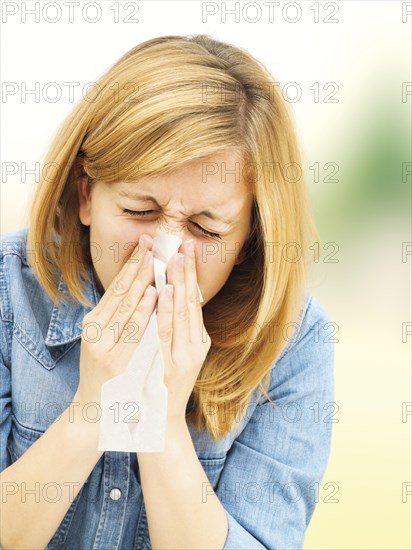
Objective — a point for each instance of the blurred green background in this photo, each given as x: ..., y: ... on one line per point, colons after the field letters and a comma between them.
x: 367, y: 213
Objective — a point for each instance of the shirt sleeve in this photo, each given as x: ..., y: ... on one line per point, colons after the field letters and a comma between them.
x: 5, y: 415
x: 5, y: 385
x: 270, y: 482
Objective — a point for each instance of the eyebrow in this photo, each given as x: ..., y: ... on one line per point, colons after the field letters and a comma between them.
x: 139, y: 196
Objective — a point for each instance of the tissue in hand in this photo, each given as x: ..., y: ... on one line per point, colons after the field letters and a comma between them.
x: 134, y: 403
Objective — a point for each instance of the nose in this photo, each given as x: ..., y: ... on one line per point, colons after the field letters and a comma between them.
x: 167, y: 230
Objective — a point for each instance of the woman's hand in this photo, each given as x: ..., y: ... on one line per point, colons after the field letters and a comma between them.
x: 184, y: 340
x: 113, y: 329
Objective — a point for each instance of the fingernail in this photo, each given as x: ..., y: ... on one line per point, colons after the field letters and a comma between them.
x: 149, y: 291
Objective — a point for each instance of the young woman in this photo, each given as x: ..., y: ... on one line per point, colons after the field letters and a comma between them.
x: 189, y: 136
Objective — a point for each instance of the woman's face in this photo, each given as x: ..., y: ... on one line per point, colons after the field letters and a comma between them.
x: 174, y: 204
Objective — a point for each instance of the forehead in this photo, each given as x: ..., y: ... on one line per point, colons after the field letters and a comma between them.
x: 215, y: 179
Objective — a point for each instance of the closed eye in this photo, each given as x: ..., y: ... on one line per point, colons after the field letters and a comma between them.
x: 148, y: 212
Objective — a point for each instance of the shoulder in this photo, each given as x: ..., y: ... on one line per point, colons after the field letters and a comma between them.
x: 19, y: 285
x: 15, y: 243
x: 13, y: 263
x: 12, y: 258
x: 313, y: 322
x: 307, y: 361
x: 13, y: 246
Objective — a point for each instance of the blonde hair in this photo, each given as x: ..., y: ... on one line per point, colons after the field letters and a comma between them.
x: 168, y: 101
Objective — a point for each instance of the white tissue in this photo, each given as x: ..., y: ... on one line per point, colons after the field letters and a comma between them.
x: 134, y: 403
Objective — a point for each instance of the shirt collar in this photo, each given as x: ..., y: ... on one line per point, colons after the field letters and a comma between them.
x: 66, y: 322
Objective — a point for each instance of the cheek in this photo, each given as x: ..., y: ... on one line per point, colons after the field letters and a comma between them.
x: 116, y: 240
x: 214, y: 267
x: 110, y: 250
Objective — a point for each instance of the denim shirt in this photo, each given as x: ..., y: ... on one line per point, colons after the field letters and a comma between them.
x: 266, y: 472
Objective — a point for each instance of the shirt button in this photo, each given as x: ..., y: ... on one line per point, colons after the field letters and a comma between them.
x: 115, y: 494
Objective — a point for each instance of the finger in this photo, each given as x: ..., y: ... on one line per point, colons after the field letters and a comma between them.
x: 131, y: 337
x: 192, y: 293
x: 164, y: 319
x: 181, y: 333
x: 121, y: 284
x: 123, y: 315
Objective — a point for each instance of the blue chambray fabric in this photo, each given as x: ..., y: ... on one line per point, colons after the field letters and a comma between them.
x: 266, y: 471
